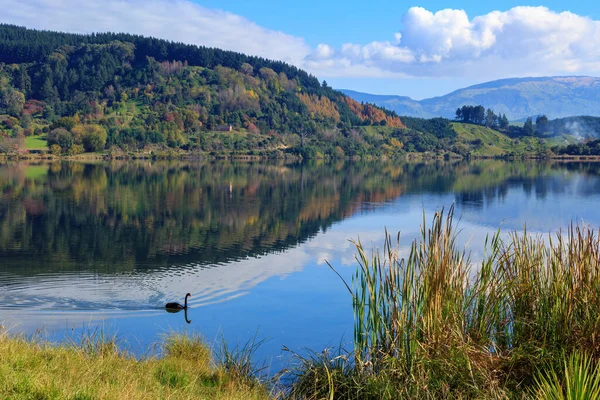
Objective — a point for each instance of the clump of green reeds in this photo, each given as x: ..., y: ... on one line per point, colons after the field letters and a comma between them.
x: 578, y: 380
x: 435, y: 324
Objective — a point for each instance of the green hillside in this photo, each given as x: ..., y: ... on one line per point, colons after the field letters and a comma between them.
x: 91, y: 93
x: 126, y: 95
x: 489, y: 142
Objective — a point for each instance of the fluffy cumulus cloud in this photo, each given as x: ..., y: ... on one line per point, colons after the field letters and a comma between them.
x: 520, y: 41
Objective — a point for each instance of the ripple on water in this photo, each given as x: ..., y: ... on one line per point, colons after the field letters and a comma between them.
x: 124, y: 293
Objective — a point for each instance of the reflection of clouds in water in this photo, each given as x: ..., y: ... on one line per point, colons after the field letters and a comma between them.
x: 142, y: 291
x: 408, y: 224
x: 76, y: 299
x: 107, y: 295
x: 84, y: 296
x: 337, y: 244
x: 406, y: 216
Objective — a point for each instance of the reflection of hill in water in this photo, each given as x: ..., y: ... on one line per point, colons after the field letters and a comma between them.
x: 77, y: 237
x: 127, y: 216
x: 535, y: 197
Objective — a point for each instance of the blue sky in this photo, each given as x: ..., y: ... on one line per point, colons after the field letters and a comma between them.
x: 339, y: 21
x: 420, y: 50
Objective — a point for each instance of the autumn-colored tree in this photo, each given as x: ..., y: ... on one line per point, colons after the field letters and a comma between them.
x: 75, y: 150
x: 373, y: 114
x: 320, y: 106
x: 396, y: 143
x: 172, y: 67
x: 267, y: 73
x: 33, y: 107
x: 252, y: 128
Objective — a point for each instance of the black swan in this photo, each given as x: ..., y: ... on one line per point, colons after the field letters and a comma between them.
x: 177, y: 306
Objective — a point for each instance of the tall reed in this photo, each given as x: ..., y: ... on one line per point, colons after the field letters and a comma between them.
x: 433, y: 321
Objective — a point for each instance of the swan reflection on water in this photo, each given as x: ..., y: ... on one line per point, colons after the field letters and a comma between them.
x: 177, y: 310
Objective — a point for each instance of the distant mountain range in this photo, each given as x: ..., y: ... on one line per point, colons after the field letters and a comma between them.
x: 518, y: 98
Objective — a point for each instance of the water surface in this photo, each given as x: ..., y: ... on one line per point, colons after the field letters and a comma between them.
x: 106, y: 245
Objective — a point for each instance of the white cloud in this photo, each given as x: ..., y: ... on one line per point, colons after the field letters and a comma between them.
x: 448, y: 43
x: 323, y: 51
x: 520, y: 41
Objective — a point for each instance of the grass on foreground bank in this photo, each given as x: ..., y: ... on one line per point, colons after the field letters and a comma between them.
x: 523, y: 323
x: 97, y: 369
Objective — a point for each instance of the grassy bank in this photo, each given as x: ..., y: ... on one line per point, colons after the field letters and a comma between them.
x: 524, y: 322
x: 97, y: 369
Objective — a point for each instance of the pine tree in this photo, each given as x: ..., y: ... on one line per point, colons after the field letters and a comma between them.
x: 528, y: 127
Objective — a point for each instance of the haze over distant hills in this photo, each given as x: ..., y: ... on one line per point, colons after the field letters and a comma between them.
x: 518, y: 98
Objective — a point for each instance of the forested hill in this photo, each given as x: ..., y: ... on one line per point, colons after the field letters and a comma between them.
x: 104, y: 91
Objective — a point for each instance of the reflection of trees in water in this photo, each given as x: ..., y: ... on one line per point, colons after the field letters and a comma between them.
x: 535, y: 179
x: 122, y: 216
x: 117, y: 216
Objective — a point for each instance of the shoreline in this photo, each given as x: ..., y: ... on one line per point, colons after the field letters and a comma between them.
x: 408, y: 157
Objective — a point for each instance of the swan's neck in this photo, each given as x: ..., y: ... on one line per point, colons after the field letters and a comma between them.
x: 185, y: 303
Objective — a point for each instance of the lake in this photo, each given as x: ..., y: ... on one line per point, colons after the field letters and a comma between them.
x: 103, y: 246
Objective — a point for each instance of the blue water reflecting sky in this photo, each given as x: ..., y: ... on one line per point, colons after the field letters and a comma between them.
x: 286, y: 295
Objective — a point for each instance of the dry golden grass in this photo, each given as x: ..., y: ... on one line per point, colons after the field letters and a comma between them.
x: 98, y: 370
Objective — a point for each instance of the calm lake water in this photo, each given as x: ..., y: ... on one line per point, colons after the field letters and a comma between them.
x: 105, y: 246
